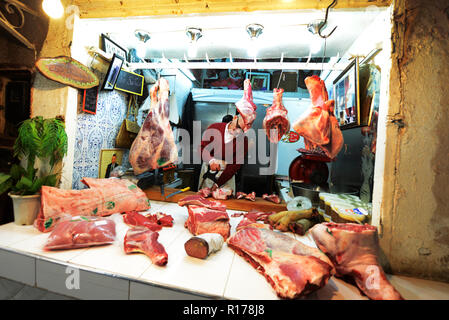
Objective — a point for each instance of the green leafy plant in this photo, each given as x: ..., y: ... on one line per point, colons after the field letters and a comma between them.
x: 41, y: 138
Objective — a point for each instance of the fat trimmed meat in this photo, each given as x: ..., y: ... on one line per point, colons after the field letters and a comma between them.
x: 154, y: 146
x: 290, y: 267
x: 276, y: 118
x: 353, y: 249
x: 141, y: 239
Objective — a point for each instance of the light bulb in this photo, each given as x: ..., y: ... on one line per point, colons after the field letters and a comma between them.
x: 53, y: 8
x: 315, y: 45
x: 141, y: 50
x: 253, y: 48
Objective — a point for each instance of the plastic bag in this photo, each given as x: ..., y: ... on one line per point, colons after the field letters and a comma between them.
x: 80, y: 232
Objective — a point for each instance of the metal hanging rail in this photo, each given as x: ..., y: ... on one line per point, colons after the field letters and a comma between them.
x: 239, y: 65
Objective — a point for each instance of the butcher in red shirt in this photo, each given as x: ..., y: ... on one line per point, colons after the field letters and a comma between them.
x: 231, y: 138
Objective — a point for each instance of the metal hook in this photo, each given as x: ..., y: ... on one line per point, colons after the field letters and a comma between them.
x: 325, y: 21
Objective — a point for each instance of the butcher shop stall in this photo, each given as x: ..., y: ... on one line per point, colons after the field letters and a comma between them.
x: 226, y: 155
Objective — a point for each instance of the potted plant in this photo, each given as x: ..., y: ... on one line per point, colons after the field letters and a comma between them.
x: 39, y: 140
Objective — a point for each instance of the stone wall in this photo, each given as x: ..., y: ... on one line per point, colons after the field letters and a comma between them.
x: 415, y: 210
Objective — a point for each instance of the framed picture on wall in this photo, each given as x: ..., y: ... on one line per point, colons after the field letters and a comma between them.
x: 113, y: 72
x: 346, y: 96
x: 259, y: 80
x: 109, y: 160
x: 111, y: 47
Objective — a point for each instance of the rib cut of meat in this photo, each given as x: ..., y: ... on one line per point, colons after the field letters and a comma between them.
x: 276, y: 118
x: 272, y: 198
x: 353, y: 250
x: 246, y: 106
x: 133, y: 218
x: 203, y: 220
x: 242, y: 195
x: 140, y: 239
x: 290, y: 267
x: 104, y: 197
x: 205, y: 192
x: 222, y: 193
x: 318, y: 124
x: 200, y: 201
x: 154, y: 146
x: 81, y: 232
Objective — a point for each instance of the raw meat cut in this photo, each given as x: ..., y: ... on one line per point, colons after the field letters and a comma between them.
x: 318, y: 124
x: 203, y: 245
x: 251, y: 223
x: 140, y: 239
x: 104, y: 197
x: 353, y: 249
x: 246, y: 106
x: 290, y: 267
x: 222, y: 193
x: 133, y: 218
x: 272, y: 198
x: 203, y: 220
x: 163, y: 219
x: 200, y: 201
x: 242, y: 195
x: 154, y: 146
x: 205, y: 192
x: 81, y: 232
x: 276, y: 118
x: 254, y: 215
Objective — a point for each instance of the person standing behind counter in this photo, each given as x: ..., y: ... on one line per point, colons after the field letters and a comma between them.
x: 229, y: 129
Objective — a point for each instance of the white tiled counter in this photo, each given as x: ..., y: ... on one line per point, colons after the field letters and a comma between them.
x: 106, y: 272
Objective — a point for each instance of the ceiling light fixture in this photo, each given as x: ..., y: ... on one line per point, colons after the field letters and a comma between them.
x: 194, y: 35
x: 53, y: 8
x: 254, y: 30
x: 143, y: 37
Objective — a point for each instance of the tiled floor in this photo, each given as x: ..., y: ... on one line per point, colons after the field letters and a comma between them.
x: 13, y: 290
x: 106, y: 272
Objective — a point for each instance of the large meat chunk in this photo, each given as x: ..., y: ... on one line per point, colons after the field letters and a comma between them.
x: 133, y: 218
x: 246, y: 106
x: 154, y: 146
x: 81, y: 232
x: 290, y: 267
x: 103, y: 198
x: 200, y: 201
x: 140, y: 239
x: 353, y: 250
x: 318, y: 124
x: 203, y: 220
x: 222, y: 193
x: 276, y: 118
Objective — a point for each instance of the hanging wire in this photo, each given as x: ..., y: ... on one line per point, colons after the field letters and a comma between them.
x: 324, y: 55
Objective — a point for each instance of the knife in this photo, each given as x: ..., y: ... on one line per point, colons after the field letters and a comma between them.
x: 179, y: 191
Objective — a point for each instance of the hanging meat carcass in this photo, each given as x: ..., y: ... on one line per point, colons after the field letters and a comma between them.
x: 276, y: 118
x: 154, y: 146
x: 353, y: 249
x: 290, y: 267
x: 318, y: 124
x: 246, y: 106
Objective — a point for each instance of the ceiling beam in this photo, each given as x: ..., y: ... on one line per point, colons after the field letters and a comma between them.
x: 133, y: 8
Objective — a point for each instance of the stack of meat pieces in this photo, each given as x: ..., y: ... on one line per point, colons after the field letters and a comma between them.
x: 318, y: 124
x: 242, y: 195
x: 222, y: 193
x: 252, y: 217
x: 353, y: 250
x: 290, y: 267
x: 206, y: 216
x: 246, y: 106
x: 276, y: 123
x: 154, y: 146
